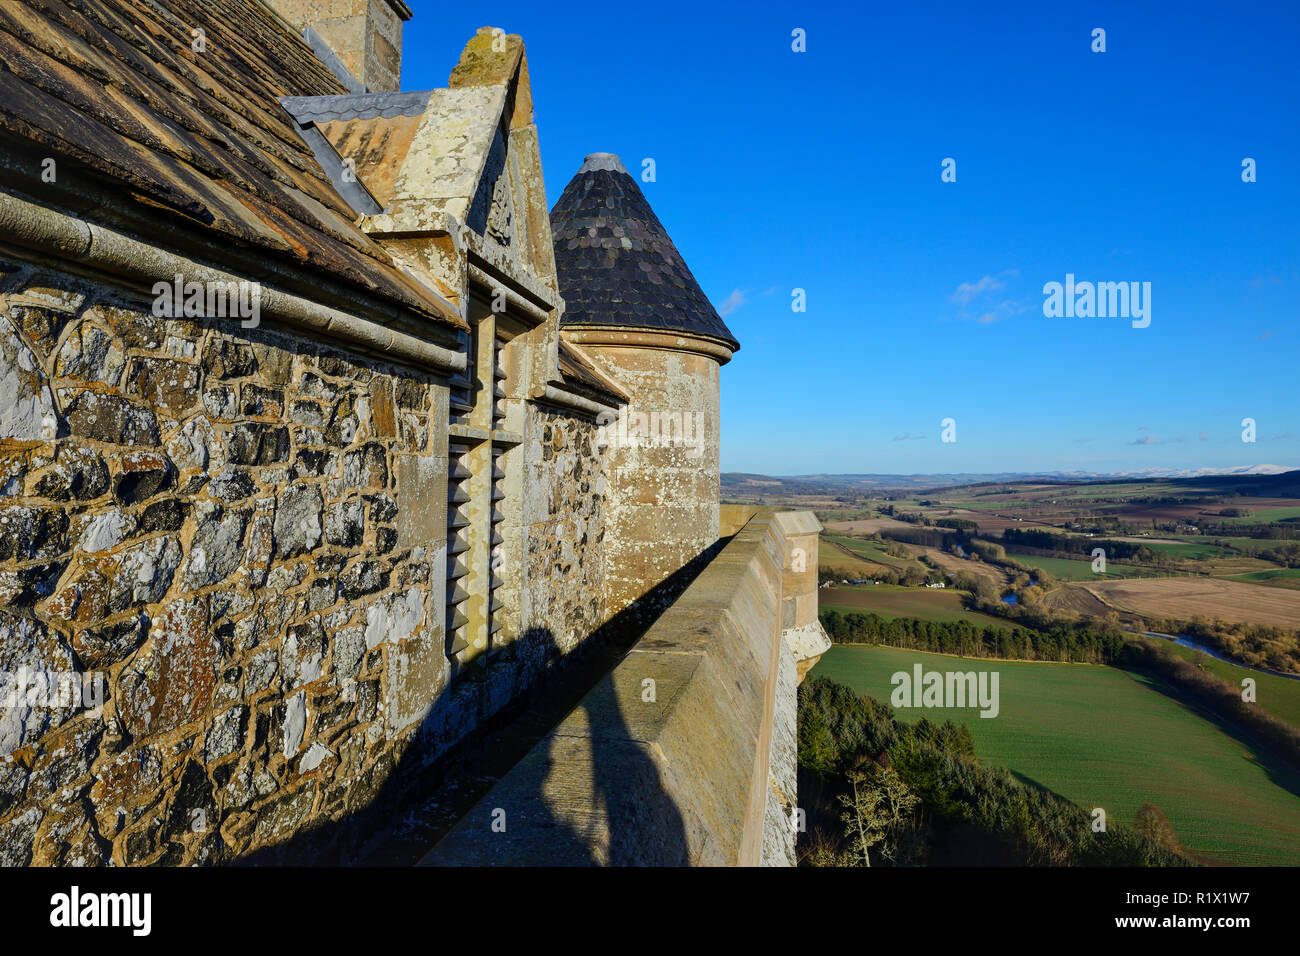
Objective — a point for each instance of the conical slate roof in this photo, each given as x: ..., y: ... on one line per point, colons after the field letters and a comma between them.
x: 616, y: 264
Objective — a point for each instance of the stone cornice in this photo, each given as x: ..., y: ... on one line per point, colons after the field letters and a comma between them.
x: 623, y: 337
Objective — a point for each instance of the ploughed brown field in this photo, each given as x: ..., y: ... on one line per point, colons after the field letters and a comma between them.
x: 992, y: 523
x: 866, y: 525
x: 1076, y: 598
x: 950, y: 562
x: 1185, y: 598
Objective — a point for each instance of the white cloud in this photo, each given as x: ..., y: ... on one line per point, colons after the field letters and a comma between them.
x: 732, y: 302
x: 967, y: 291
x: 981, y: 291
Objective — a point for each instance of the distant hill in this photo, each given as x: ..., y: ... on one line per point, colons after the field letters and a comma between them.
x: 1254, y: 481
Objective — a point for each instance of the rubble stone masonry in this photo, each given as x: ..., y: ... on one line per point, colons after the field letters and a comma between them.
x: 211, y: 520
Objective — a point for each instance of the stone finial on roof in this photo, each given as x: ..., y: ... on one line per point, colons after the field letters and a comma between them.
x: 493, y: 57
x: 603, y: 161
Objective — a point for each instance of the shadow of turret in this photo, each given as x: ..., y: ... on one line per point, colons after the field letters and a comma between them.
x: 429, y: 777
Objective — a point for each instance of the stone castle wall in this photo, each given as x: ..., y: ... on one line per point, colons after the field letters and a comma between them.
x: 242, y: 535
x: 564, y: 507
x: 232, y: 542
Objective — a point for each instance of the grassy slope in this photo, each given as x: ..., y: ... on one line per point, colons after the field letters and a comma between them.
x: 833, y: 556
x: 871, y: 551
x: 1102, y: 737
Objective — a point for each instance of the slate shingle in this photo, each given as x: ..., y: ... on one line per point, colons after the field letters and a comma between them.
x: 616, y: 264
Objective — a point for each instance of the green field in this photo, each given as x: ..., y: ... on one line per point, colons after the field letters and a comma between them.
x: 1189, y: 549
x: 889, y: 602
x: 1265, y: 515
x: 1247, y: 543
x: 1065, y: 569
x: 1278, y: 577
x: 974, y: 504
x: 1105, y: 738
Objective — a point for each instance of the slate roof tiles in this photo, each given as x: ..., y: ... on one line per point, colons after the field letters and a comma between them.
x: 116, y: 90
x: 616, y: 264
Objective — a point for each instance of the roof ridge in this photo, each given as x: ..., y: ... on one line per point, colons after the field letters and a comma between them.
x: 347, y: 106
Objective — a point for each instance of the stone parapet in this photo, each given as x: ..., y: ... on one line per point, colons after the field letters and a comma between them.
x: 684, y: 753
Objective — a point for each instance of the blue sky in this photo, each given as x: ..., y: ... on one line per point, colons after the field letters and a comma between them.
x: 820, y: 170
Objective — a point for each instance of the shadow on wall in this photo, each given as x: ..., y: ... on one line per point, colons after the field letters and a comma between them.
x: 625, y: 782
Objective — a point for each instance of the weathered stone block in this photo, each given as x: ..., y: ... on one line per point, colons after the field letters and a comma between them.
x: 298, y: 520
x: 123, y: 786
x: 170, y: 682
x: 295, y: 723
x: 258, y: 444
x: 282, y: 817
x: 302, y: 655
x: 221, y: 401
x: 111, y: 418
x: 140, y: 476
x: 362, y: 578
x: 218, y: 547
x: 422, y: 500
x: 226, y: 735
x: 28, y: 646
x: 101, y: 647
x: 226, y: 358
x: 32, y: 533
x: 367, y: 467
x: 26, y: 403
x: 166, y: 384
x: 90, y: 354
x: 260, y: 400
x: 345, y: 524
x: 193, y: 808
x: 17, y: 836
x: 41, y: 326
x: 77, y: 473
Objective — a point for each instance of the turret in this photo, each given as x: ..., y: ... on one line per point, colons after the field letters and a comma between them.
x: 632, y: 303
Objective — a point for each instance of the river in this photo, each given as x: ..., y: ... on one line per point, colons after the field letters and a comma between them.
x: 1185, y: 641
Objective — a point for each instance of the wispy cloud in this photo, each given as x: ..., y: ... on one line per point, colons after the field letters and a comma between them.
x: 980, y: 294
x: 1153, y: 440
x: 733, y: 302
x: 1003, y: 310
x: 908, y: 437
x: 967, y: 291
x: 1266, y: 335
